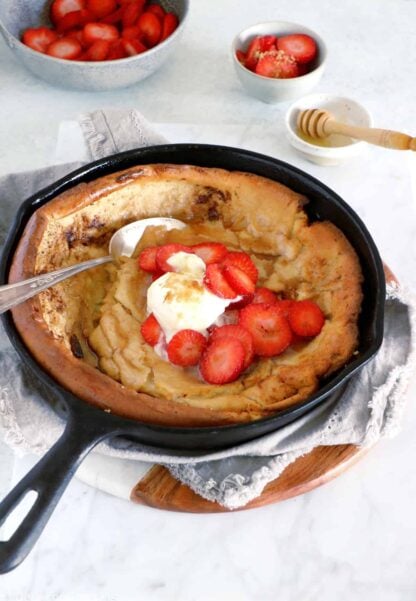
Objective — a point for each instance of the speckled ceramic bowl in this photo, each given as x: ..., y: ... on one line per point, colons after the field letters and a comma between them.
x: 272, y: 90
x: 17, y: 15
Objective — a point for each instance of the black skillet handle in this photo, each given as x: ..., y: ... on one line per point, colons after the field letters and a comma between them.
x: 49, y: 478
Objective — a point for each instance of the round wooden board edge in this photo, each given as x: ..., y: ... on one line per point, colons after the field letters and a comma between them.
x: 160, y: 490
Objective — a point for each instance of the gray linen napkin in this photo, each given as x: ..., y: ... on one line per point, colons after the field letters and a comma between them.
x: 367, y: 409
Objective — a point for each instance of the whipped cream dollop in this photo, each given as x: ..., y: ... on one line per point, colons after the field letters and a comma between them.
x: 179, y: 299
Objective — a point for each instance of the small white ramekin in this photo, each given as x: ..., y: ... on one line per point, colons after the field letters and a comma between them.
x: 269, y: 89
x: 345, y: 110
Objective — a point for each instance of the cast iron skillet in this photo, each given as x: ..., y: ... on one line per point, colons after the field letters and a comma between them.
x: 86, y: 425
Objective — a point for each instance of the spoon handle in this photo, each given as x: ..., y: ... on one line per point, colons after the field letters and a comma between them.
x: 14, y: 294
x: 379, y: 137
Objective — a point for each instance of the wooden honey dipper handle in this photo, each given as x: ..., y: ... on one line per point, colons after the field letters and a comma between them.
x: 380, y: 137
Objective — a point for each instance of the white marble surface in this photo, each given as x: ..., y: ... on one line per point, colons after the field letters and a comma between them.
x: 354, y: 538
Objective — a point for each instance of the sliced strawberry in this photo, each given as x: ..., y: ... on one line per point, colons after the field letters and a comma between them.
x: 266, y: 66
x: 288, y: 67
x: 210, y: 252
x: 284, y: 305
x: 303, y: 68
x: 157, y: 10
x: 157, y: 274
x: 147, y: 259
x: 243, y: 262
x: 269, y: 328
x: 223, y: 360
x: 151, y: 28
x: 243, y: 302
x: 299, y: 45
x: 239, y: 333
x: 131, y: 33
x: 66, y: 47
x: 74, y: 19
x: 170, y: 23
x: 100, y: 31
x: 76, y: 34
x: 133, y: 47
x: 268, y: 42
x: 238, y: 280
x: 101, y: 8
x: 116, y: 51
x: 59, y: 8
x: 167, y: 250
x: 306, y: 318
x: 151, y: 330
x: 131, y: 12
x: 39, y: 38
x: 98, y: 51
x: 113, y: 18
x: 185, y: 348
x: 277, y: 64
x: 253, y: 53
x: 241, y: 57
x: 257, y: 47
x: 215, y: 281
x: 69, y: 21
x: 87, y: 17
x: 264, y: 295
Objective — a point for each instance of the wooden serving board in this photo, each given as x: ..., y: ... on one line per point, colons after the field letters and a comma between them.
x: 160, y: 490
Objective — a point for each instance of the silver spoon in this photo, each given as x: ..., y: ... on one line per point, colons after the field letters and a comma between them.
x: 122, y: 243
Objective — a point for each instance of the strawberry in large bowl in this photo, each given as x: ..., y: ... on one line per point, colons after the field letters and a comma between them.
x: 278, y: 61
x: 93, y: 44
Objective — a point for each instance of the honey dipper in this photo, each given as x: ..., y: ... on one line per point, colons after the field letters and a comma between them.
x: 318, y: 123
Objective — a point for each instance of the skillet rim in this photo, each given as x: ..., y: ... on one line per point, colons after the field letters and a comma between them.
x: 113, y: 163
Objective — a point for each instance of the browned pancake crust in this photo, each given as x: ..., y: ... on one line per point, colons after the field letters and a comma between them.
x: 92, y: 320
